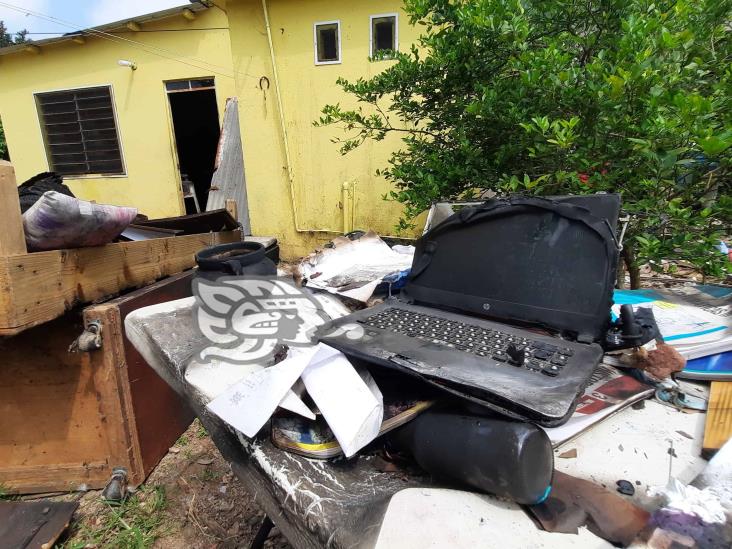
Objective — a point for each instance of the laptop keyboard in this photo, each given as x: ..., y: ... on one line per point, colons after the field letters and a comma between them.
x: 517, y: 351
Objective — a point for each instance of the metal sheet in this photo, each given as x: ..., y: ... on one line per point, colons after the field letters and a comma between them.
x: 228, y: 180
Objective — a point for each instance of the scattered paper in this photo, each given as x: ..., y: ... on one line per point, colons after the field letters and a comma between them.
x: 214, y: 377
x: 249, y: 403
x: 350, y: 401
x: 294, y: 403
x: 442, y: 210
x: 608, y: 391
x: 354, y: 268
x: 696, y: 320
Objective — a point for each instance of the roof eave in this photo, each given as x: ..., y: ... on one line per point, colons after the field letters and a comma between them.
x: 146, y: 18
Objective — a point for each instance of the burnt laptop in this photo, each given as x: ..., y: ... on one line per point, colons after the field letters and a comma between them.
x: 506, y: 305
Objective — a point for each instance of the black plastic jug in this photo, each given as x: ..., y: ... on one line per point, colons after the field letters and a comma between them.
x: 507, y: 458
x: 235, y: 259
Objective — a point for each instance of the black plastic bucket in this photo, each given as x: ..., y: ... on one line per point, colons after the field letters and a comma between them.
x: 236, y: 259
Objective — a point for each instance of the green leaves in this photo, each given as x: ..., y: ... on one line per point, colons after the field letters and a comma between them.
x: 714, y: 145
x: 8, y: 39
x: 558, y: 97
x: 617, y: 84
x: 3, y: 144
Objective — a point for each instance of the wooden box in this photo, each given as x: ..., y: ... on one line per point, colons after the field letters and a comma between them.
x: 67, y: 419
x: 38, y: 287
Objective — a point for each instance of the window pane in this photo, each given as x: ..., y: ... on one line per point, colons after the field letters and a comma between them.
x: 383, y: 33
x: 204, y: 83
x: 178, y: 85
x: 80, y: 131
x: 188, y: 85
x: 327, y: 37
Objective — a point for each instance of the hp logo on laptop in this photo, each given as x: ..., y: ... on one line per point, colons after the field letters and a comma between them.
x: 486, y: 306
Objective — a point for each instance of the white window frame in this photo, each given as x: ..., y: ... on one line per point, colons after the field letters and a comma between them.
x: 336, y: 22
x: 371, y: 32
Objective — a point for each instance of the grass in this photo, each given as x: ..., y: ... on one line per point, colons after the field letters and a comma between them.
x: 183, y: 441
x: 134, y: 524
x: 200, y: 429
x: 209, y: 474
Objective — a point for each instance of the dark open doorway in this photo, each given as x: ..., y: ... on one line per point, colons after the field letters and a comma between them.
x: 196, y: 127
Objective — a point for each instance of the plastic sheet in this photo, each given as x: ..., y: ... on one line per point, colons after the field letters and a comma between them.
x: 354, y: 268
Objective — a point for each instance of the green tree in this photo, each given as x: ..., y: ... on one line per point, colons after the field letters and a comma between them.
x: 21, y: 37
x: 7, y: 39
x: 564, y: 96
x: 3, y: 144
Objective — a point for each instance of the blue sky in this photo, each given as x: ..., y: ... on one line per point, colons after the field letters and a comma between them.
x: 79, y: 13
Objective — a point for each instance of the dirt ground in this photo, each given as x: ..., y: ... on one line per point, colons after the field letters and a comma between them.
x: 191, y: 500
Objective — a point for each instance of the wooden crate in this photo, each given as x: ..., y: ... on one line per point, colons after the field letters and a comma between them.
x: 41, y: 286
x: 67, y: 419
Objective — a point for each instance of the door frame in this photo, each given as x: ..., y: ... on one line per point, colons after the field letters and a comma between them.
x: 171, y: 129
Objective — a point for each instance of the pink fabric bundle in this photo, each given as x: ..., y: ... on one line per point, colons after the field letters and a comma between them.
x: 58, y: 221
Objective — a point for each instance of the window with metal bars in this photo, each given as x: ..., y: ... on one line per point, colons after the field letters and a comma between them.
x: 80, y: 131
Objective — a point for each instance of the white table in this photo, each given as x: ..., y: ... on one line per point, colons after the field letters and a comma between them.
x: 353, y: 504
x: 631, y: 445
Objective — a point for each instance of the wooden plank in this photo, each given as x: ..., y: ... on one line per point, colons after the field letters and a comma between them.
x: 67, y: 419
x: 124, y: 450
x: 154, y: 414
x: 231, y: 207
x: 718, y: 428
x: 63, y: 477
x: 60, y: 420
x: 197, y: 223
x: 34, y: 524
x: 161, y: 415
x: 38, y: 287
x: 12, y: 237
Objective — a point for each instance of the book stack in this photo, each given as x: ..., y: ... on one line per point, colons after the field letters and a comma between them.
x: 696, y: 320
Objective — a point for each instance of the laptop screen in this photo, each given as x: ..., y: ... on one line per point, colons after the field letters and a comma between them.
x: 526, y: 264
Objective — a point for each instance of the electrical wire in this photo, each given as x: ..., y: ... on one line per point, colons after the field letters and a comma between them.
x: 172, y: 55
x: 92, y: 31
x: 141, y: 30
x: 118, y: 39
x: 114, y: 38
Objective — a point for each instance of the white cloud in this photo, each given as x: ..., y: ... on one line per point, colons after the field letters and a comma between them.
x: 108, y: 11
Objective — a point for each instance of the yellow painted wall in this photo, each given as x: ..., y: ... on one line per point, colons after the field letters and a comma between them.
x: 301, y: 215
x: 318, y: 168
x: 151, y: 183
